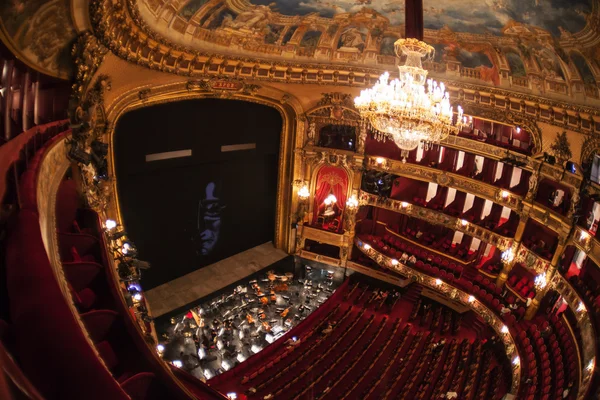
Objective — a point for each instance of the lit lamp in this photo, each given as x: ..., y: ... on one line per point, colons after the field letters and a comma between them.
x: 411, y: 108
x: 591, y: 364
x: 110, y: 225
x: 303, y: 195
x: 504, y: 194
x: 352, y: 203
x: 516, y: 361
x: 351, y: 209
x: 507, y: 256
x: 540, y: 281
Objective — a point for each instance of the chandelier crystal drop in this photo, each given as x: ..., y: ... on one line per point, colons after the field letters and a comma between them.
x: 411, y: 109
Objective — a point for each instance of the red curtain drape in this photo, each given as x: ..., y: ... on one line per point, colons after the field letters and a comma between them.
x: 331, y: 180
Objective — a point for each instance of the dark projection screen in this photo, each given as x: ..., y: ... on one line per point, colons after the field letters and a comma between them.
x: 186, y: 213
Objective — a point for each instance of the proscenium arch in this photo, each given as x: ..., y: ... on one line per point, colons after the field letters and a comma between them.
x: 178, y: 92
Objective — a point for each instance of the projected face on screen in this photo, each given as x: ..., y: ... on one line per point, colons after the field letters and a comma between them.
x: 209, y: 220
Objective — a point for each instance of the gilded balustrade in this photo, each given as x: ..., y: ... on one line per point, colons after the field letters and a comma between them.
x: 515, y: 202
x: 585, y: 242
x: 457, y: 295
x: 587, y: 354
x: 437, y: 218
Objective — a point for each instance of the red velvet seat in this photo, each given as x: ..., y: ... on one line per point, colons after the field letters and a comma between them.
x: 81, y: 274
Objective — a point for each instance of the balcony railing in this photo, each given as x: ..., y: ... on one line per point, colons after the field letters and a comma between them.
x: 436, y: 218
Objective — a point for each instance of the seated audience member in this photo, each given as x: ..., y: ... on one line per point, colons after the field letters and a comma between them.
x: 327, y: 330
x: 412, y: 260
x: 404, y: 257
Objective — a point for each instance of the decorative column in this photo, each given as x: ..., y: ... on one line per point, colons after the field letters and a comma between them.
x: 508, y: 256
x: 541, y: 288
x: 541, y: 281
x: 533, y: 184
x: 349, y: 228
x: 7, y: 98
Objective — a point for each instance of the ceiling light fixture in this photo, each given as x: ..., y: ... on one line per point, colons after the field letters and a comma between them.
x: 410, y: 109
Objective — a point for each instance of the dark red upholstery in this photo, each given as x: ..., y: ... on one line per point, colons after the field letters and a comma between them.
x: 81, y: 274
x: 53, y: 350
x: 145, y: 386
x: 67, y: 203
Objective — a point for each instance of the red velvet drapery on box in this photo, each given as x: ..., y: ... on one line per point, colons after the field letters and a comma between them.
x: 331, y: 180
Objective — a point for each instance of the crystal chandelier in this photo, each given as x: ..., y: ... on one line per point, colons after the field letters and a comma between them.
x: 411, y: 109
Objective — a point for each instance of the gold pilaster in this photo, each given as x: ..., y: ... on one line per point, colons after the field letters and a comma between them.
x: 508, y: 265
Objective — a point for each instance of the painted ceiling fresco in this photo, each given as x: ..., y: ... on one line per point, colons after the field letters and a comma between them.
x: 474, y: 16
x: 40, y: 32
x: 542, y: 47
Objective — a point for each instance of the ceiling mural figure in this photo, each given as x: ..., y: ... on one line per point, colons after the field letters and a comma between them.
x: 521, y: 45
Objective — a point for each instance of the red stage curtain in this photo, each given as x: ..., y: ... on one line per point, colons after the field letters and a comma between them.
x: 331, y: 180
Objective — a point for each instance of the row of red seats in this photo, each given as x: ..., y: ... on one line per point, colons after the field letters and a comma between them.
x: 522, y: 285
x: 484, y: 290
x: 60, y: 360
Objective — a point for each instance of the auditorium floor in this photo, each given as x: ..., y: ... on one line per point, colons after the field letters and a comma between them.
x: 201, y: 283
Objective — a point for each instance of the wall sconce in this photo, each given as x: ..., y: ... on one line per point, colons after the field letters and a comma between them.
x: 518, y: 129
x: 404, y: 204
x: 540, y: 281
x: 504, y: 329
x: 352, y: 203
x: 590, y: 366
x: 584, y: 236
x: 464, y: 222
x: 160, y: 349
x: 438, y: 282
x: 507, y: 256
x: 303, y: 193
x: 380, y: 160
x: 504, y: 194
x: 471, y: 299
x: 581, y: 307
x: 110, y: 225
x: 366, y: 246
x: 516, y: 361
x: 177, y: 363
x: 394, y: 262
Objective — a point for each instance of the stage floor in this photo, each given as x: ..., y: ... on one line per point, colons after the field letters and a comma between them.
x: 198, y: 284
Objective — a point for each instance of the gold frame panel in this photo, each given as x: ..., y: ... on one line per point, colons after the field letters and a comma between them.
x: 180, y: 91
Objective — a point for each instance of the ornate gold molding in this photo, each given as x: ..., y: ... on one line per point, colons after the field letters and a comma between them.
x: 436, y: 218
x: 587, y: 354
x: 120, y: 27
